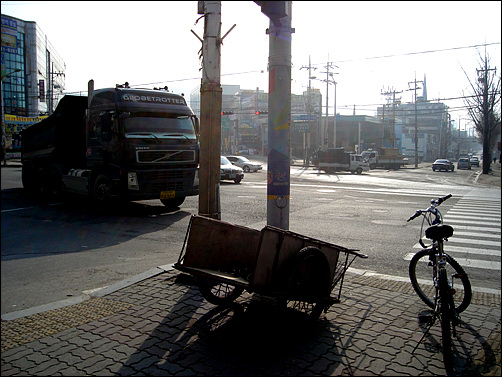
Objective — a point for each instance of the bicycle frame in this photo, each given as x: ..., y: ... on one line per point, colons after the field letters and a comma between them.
x: 443, y: 304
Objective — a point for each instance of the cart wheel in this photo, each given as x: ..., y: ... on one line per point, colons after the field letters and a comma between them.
x: 313, y: 310
x: 218, y: 293
x: 310, y: 276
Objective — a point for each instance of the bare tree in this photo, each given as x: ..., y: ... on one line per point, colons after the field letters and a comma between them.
x: 483, y: 105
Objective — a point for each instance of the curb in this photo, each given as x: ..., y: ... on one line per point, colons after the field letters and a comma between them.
x: 99, y: 293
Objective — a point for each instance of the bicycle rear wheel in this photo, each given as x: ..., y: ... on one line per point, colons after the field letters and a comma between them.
x: 446, y: 316
x: 421, y: 272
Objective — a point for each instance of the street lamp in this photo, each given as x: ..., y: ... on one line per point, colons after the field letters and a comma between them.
x: 4, y: 141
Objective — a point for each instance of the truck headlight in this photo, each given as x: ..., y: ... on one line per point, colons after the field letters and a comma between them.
x: 132, y: 181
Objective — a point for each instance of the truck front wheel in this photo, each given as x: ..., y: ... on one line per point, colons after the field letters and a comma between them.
x: 102, y: 189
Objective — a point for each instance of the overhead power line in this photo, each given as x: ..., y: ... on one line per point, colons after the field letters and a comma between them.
x: 413, y: 53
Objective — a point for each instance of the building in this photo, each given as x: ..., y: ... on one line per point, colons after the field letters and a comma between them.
x: 33, y: 76
x: 244, y: 119
x: 430, y: 121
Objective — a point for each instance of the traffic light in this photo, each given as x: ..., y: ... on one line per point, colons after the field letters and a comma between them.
x: 261, y: 112
x: 227, y: 112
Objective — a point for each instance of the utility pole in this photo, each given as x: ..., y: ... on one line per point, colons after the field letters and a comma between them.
x: 279, y: 113
x: 416, y: 117
x: 210, y: 110
x: 393, y: 132
x: 328, y: 81
x: 309, y: 107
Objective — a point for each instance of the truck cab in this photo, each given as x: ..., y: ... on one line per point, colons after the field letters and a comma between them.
x: 117, y: 143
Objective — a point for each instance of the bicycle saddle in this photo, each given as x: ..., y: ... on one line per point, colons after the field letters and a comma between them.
x: 438, y: 232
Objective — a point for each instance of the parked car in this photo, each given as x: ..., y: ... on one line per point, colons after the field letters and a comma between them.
x: 245, y: 164
x: 443, y: 164
x: 463, y: 163
x: 229, y: 171
x: 474, y: 161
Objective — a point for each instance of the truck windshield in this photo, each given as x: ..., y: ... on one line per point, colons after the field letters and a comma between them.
x: 180, y: 126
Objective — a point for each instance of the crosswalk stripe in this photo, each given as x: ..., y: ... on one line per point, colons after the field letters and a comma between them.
x: 463, y: 221
x: 477, y: 234
x: 477, y: 263
x: 467, y: 262
x: 467, y: 250
x: 464, y: 214
x: 470, y: 263
x: 453, y: 239
x: 477, y: 228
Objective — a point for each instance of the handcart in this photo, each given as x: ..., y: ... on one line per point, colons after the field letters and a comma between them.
x: 296, y: 270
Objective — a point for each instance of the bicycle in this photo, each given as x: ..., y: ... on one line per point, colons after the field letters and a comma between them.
x: 450, y: 292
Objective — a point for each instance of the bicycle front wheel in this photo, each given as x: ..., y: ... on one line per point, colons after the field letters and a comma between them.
x: 421, y: 271
x: 446, y: 316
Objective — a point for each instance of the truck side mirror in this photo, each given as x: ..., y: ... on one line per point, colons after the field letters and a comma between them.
x: 196, y: 125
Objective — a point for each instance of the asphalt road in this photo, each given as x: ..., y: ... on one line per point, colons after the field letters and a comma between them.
x: 59, y: 249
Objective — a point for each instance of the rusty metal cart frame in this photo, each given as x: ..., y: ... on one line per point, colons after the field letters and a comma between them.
x: 227, y: 259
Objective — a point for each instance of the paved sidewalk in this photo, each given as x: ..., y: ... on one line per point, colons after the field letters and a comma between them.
x: 161, y: 326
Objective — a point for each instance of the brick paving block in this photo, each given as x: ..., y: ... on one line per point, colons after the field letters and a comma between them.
x: 102, y: 346
x: 118, y: 337
x: 69, y: 358
x: 37, y: 357
x: 8, y: 370
x: 53, y: 370
x: 89, y: 361
x: 116, y: 356
x: 122, y: 370
x: 144, y: 362
x: 16, y: 353
x: 66, y: 348
x: 90, y: 337
x: 98, y: 367
x: 23, y: 364
x: 94, y: 345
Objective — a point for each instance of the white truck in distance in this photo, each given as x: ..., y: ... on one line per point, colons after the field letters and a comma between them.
x: 387, y: 158
x: 337, y: 159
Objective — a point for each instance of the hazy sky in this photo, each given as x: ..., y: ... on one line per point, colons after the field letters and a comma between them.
x: 376, y: 45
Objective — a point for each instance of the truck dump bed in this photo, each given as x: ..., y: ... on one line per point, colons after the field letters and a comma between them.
x: 334, y: 155
x: 61, y: 135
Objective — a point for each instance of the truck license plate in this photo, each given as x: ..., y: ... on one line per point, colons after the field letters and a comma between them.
x: 167, y: 194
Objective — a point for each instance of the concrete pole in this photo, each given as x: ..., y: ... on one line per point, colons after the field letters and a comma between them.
x: 279, y: 122
x: 334, y: 119
x: 210, y: 113
x: 326, y: 132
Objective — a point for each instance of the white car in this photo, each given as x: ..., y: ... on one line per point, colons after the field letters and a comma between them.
x: 229, y: 171
x: 245, y: 164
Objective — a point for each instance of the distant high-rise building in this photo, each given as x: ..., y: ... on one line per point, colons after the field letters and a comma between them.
x: 33, y: 74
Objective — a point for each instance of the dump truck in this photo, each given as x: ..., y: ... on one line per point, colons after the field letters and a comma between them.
x: 387, y: 158
x: 115, y: 143
x: 332, y: 160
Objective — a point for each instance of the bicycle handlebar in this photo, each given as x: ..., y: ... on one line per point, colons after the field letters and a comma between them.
x: 441, y: 200
x: 434, y: 203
